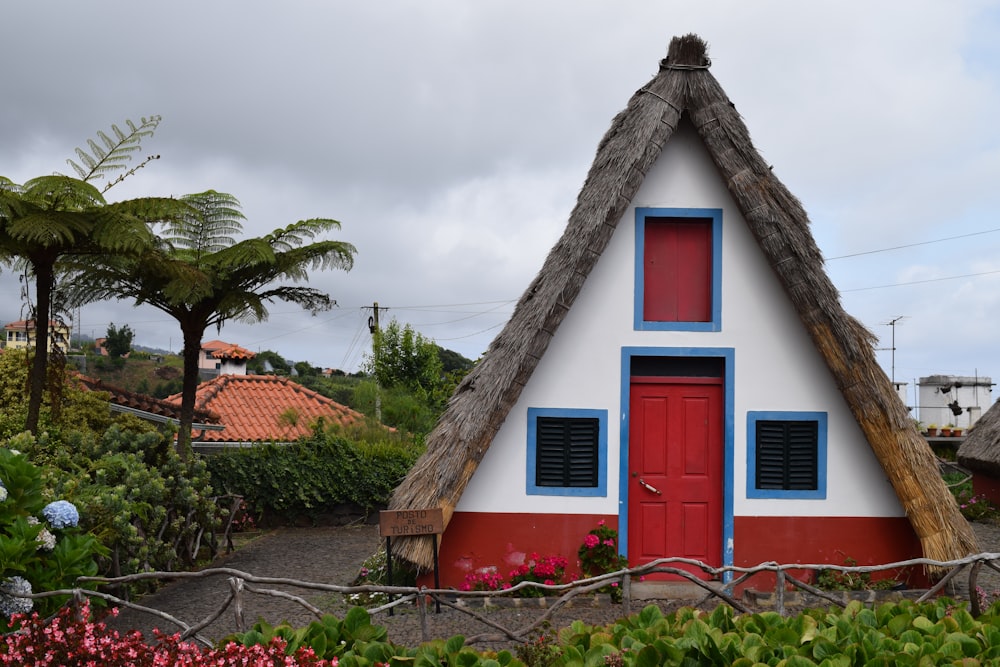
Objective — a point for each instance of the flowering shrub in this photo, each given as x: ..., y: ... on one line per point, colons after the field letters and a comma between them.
x: 150, y: 509
x: 599, y: 552
x: 484, y: 579
x: 976, y: 507
x: 599, y: 555
x: 41, y: 548
x: 72, y: 639
x: 550, y: 570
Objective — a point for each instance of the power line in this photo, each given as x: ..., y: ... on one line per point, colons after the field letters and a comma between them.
x: 912, y: 245
x: 921, y: 282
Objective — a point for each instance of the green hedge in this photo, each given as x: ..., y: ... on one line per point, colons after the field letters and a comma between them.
x: 313, y: 476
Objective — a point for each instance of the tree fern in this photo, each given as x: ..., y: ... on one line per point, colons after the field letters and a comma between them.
x: 115, y: 153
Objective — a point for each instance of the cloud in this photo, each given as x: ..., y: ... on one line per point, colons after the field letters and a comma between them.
x: 450, y: 139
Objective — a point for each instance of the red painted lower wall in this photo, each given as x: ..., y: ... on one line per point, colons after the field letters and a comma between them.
x: 478, y: 540
x: 983, y: 485
x: 833, y: 540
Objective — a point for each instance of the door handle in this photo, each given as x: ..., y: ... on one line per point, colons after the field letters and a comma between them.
x: 650, y: 488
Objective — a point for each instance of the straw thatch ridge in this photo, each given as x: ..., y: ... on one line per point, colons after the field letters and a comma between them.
x: 981, y: 450
x: 780, y: 224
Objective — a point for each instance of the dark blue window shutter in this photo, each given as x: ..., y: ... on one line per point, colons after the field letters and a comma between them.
x: 787, y: 455
x: 566, y: 452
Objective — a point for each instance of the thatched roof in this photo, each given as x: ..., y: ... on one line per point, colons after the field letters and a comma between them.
x: 778, y: 222
x: 981, y: 450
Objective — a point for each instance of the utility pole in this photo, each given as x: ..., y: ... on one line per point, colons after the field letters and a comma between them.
x: 892, y: 323
x: 373, y: 328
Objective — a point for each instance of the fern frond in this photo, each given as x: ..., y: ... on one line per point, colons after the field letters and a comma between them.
x: 116, y: 152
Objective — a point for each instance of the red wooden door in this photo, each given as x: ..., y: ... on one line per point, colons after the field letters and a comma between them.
x: 675, y: 470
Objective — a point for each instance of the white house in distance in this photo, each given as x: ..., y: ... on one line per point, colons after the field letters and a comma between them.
x: 682, y: 369
x: 221, y: 358
x: 953, y: 399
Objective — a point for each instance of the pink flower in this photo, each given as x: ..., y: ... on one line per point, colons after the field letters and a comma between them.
x: 601, y: 522
x: 591, y: 540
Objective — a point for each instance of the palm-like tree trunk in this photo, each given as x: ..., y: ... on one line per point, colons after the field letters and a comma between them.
x: 189, y: 387
x: 44, y: 280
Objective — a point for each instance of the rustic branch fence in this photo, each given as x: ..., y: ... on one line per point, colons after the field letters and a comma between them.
x: 243, y: 583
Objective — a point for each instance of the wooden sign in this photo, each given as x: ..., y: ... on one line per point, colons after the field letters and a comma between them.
x: 408, y: 523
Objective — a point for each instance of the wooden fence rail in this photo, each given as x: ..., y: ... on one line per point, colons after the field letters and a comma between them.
x: 242, y: 583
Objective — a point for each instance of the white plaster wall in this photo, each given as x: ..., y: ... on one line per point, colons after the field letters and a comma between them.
x: 776, y: 365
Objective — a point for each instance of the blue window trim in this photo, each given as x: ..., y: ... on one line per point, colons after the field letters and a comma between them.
x: 601, y: 490
x: 715, y: 324
x: 727, y: 353
x: 819, y: 493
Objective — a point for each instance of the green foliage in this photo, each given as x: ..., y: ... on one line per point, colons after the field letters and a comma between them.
x: 118, y: 342
x: 50, y: 555
x: 80, y: 409
x: 353, y: 637
x: 836, y: 580
x: 136, y: 497
x: 403, y: 357
x: 305, y: 369
x: 313, y: 475
x: 115, y: 153
x: 355, y: 642
x: 278, y: 365
x: 903, y: 633
x: 401, y: 408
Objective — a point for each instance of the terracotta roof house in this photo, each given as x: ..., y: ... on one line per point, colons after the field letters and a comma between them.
x: 980, y: 453
x: 682, y: 369
x: 19, y: 335
x: 221, y: 358
x: 264, y: 408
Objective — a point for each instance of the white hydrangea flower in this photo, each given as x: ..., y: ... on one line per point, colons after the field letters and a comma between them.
x: 46, y: 540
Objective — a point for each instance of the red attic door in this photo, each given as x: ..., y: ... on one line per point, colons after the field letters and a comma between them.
x: 677, y: 270
x: 675, y: 448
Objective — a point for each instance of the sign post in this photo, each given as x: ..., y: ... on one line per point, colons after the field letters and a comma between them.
x: 411, y: 523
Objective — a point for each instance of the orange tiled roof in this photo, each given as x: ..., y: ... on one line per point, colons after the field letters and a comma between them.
x: 30, y: 324
x: 259, y: 408
x: 231, y: 352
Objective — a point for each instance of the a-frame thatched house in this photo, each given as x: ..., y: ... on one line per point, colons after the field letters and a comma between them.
x: 980, y: 453
x: 681, y: 368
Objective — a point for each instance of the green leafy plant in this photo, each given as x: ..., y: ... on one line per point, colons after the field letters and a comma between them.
x: 542, y: 650
x: 836, y: 580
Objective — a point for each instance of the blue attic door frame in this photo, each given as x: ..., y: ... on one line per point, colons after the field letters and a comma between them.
x: 678, y: 269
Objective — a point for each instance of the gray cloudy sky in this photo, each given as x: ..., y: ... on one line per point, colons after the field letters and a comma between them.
x: 450, y: 138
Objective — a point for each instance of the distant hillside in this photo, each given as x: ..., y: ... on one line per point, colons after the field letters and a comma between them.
x: 156, y: 374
